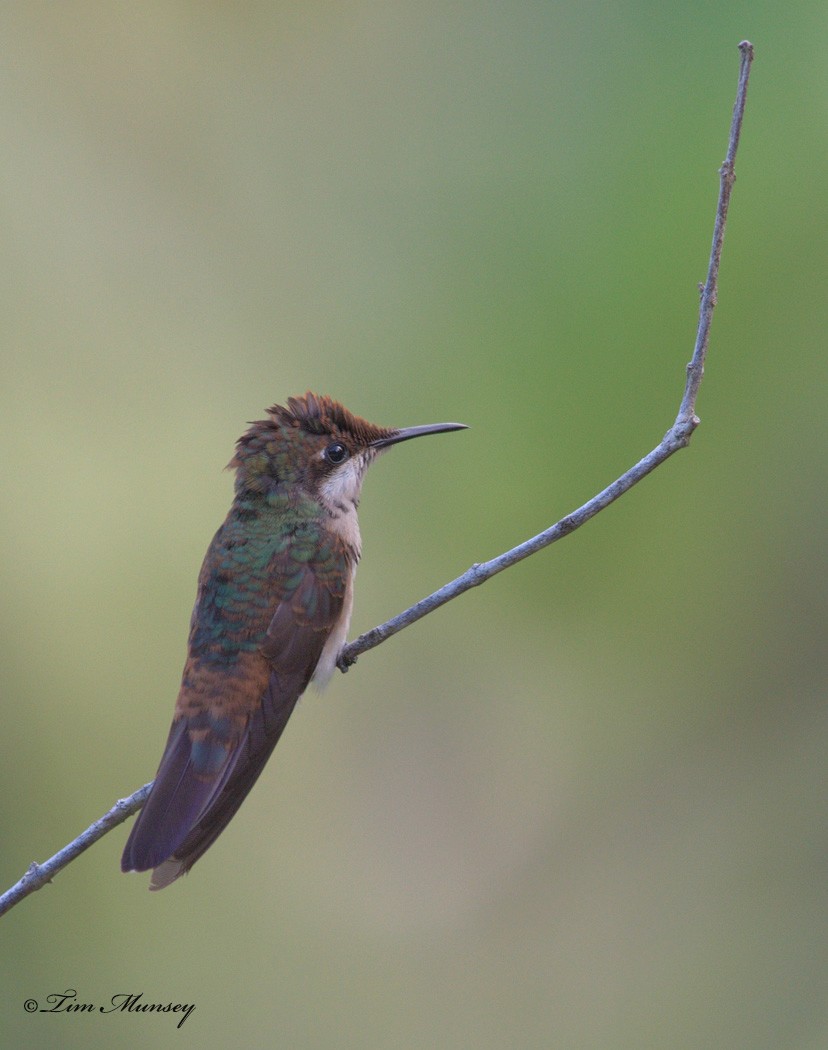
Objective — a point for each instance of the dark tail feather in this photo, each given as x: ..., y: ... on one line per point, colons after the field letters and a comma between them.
x: 174, y: 804
x: 185, y: 814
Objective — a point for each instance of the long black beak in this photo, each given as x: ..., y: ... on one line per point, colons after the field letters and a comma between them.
x: 414, y: 432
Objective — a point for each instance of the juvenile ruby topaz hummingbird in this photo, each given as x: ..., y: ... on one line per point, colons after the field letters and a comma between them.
x: 272, y: 610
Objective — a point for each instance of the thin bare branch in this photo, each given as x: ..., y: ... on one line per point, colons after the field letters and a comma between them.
x: 709, y: 292
x: 677, y: 437
x: 38, y: 875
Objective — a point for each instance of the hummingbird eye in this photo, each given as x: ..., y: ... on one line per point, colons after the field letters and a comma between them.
x: 336, y: 453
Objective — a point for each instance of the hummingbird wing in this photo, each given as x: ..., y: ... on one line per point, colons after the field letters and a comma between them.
x: 229, y: 718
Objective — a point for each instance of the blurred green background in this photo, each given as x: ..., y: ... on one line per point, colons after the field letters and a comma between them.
x: 584, y: 806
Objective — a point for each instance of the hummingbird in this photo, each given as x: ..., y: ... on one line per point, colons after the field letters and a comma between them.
x: 272, y: 610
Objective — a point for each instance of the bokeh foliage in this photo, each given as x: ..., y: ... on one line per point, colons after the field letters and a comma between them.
x: 583, y: 806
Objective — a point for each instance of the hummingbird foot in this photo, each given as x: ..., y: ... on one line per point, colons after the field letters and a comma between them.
x: 344, y: 661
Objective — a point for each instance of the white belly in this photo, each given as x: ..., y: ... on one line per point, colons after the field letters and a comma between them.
x: 336, y: 639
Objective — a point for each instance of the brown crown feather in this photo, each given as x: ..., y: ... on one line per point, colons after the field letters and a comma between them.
x: 320, y: 414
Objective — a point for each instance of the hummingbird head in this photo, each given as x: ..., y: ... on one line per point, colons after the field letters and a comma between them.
x: 314, y: 443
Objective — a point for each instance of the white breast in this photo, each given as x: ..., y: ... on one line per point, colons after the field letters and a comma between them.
x: 339, y: 495
x: 336, y: 639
